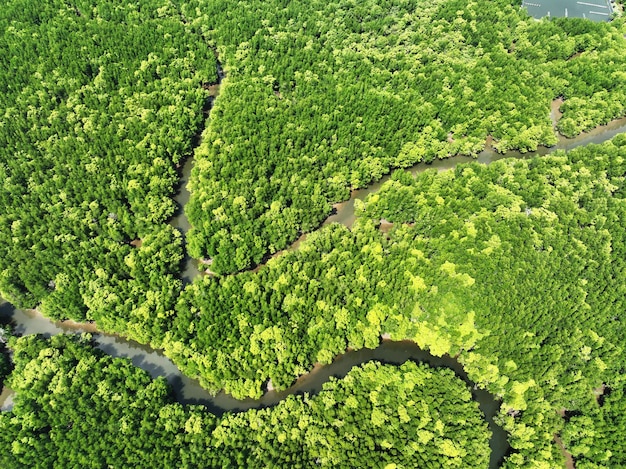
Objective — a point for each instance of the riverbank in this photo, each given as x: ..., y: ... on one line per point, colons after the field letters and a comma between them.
x: 344, y: 212
x: 139, y: 357
x: 188, y: 391
x: 191, y: 268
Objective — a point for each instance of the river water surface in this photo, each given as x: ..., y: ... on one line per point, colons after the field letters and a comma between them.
x: 191, y: 267
x: 344, y: 211
x: 189, y: 391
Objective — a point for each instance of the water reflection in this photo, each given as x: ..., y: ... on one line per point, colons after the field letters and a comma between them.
x: 26, y: 322
x: 191, y: 267
x: 6, y: 399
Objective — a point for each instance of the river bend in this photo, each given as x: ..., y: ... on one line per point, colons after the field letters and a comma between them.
x: 188, y: 391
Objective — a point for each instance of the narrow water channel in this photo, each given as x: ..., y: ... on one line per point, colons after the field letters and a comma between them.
x: 344, y: 211
x: 188, y: 391
x: 26, y: 322
x: 191, y: 267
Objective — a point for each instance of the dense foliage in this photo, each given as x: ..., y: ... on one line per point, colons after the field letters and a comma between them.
x: 100, y: 101
x: 596, y: 439
x: 549, y: 233
x: 377, y: 416
x: 517, y: 267
x: 5, y: 363
x: 78, y: 408
x: 321, y: 97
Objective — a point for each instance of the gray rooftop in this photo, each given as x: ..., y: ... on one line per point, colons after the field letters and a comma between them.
x: 595, y: 10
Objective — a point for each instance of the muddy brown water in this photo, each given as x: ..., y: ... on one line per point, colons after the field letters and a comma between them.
x: 344, y: 211
x: 188, y: 391
x: 192, y: 268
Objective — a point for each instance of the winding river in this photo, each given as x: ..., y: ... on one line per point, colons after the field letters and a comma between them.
x: 191, y: 267
x: 188, y: 391
x: 344, y: 211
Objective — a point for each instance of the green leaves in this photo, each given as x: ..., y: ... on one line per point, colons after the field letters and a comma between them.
x: 323, y: 98
x: 68, y: 393
x: 515, y: 267
x: 101, y: 104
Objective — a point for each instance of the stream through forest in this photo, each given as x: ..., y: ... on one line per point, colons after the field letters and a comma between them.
x: 188, y: 391
x: 191, y: 267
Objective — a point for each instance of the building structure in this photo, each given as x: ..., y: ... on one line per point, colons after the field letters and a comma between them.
x: 595, y: 10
